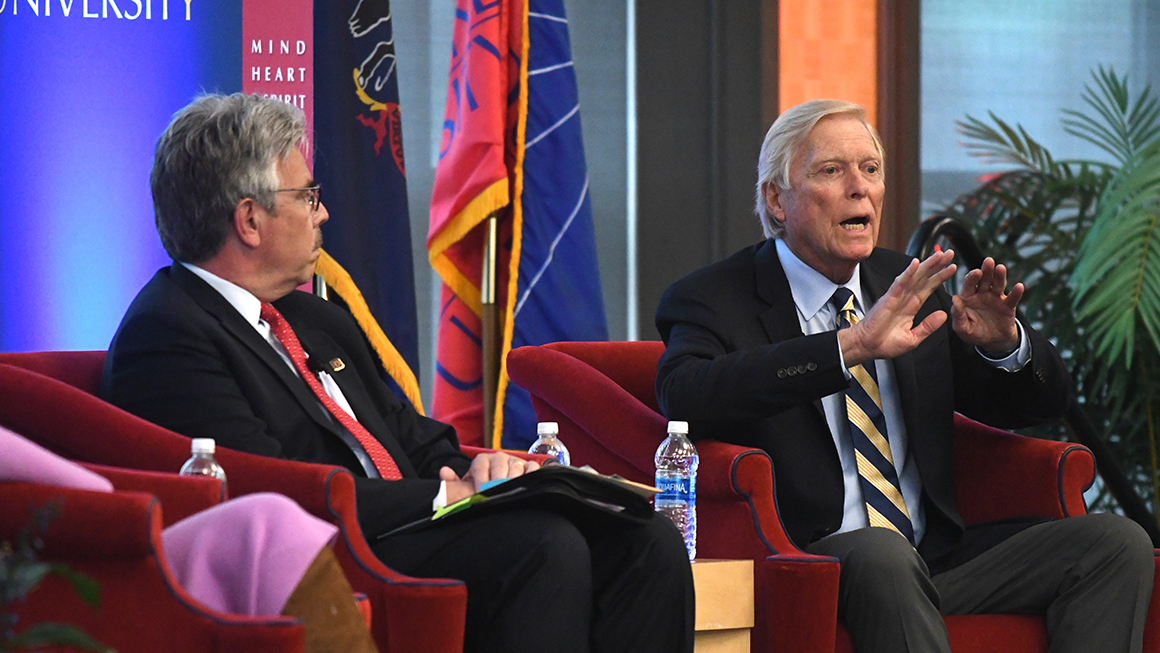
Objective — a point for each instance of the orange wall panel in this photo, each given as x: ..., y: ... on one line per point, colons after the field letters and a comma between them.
x: 829, y: 49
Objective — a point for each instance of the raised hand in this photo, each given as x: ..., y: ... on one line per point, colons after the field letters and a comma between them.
x: 983, y: 313
x: 888, y: 329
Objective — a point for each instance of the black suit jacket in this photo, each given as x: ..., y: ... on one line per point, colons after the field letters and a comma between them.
x: 738, y: 367
x: 184, y: 358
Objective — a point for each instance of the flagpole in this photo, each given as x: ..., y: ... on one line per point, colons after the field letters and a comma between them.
x: 491, y: 330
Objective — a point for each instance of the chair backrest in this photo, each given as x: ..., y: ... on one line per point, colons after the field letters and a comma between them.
x: 631, y: 365
x: 80, y: 369
x: 593, y: 388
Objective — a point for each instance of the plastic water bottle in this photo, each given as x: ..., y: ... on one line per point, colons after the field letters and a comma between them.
x: 677, y: 462
x: 548, y: 443
x: 202, y: 463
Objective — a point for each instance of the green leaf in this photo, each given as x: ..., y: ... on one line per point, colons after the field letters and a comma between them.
x: 1126, y: 128
x: 1119, y: 262
x: 82, y: 584
x: 23, y: 578
x: 54, y: 634
x: 1005, y: 145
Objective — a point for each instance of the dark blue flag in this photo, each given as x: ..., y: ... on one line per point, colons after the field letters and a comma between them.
x: 358, y: 159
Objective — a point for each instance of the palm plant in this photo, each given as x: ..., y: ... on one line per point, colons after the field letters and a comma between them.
x: 1084, y: 237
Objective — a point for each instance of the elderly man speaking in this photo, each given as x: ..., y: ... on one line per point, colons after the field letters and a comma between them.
x: 846, y: 362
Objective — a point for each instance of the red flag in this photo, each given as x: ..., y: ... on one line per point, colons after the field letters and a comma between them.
x: 478, y: 173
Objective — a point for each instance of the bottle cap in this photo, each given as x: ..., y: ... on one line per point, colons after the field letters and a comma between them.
x: 679, y: 427
x: 547, y: 428
x: 202, y: 445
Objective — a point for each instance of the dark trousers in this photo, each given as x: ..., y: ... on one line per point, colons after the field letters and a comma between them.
x: 1090, y: 577
x: 537, y: 582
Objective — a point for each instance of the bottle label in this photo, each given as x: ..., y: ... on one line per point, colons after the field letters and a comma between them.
x: 674, y: 489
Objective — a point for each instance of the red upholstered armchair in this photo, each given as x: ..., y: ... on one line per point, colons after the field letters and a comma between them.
x: 408, y: 614
x: 116, y: 539
x: 603, y: 396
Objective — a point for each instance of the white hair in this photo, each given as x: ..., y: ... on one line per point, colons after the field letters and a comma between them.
x: 217, y: 151
x: 782, y: 142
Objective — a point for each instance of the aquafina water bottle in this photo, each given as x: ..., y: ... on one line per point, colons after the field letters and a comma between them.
x: 676, y: 462
x: 549, y: 443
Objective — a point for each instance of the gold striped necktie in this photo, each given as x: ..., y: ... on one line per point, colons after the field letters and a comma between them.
x: 881, y: 490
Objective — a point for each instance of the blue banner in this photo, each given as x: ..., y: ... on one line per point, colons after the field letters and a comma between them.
x: 85, y: 89
x: 558, y: 294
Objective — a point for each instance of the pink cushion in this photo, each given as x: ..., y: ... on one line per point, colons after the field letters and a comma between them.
x: 23, y: 460
x: 245, y: 556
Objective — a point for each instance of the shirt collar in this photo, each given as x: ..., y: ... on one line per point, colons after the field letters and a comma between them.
x: 811, y: 289
x: 244, y: 302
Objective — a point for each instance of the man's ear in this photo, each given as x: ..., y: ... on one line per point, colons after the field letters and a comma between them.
x: 772, y: 195
x: 247, y: 216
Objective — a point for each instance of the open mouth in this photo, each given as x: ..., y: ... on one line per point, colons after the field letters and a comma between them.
x: 857, y: 223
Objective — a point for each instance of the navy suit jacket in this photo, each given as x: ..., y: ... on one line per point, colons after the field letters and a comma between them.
x: 739, y: 369
x: 184, y: 358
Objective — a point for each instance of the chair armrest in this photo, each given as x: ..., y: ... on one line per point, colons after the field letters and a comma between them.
x: 795, y: 593
x: 1001, y: 475
x: 1152, y: 623
x: 408, y: 613
x: 181, y: 496
x: 89, y: 525
x: 115, y: 538
x: 795, y: 603
x: 737, y: 509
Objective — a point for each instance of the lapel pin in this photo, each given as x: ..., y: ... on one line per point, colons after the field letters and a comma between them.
x: 337, y: 365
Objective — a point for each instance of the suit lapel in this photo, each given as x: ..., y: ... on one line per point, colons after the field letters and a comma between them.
x: 780, y: 319
x: 232, y: 321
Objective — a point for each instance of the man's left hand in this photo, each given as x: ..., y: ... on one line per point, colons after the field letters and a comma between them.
x: 484, y: 467
x: 983, y: 313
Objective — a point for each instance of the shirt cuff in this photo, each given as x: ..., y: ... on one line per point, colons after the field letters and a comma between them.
x: 1017, y: 359
x: 440, y: 500
x: 842, y: 361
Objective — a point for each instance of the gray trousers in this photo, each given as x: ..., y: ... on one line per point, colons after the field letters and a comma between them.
x: 1090, y: 576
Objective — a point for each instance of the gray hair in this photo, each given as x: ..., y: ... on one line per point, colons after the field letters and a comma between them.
x: 782, y: 141
x: 216, y: 152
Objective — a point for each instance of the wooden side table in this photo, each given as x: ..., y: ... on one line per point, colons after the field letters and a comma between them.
x: 724, y: 605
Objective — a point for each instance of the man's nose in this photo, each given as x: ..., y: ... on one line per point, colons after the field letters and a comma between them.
x: 859, y: 186
x: 321, y: 215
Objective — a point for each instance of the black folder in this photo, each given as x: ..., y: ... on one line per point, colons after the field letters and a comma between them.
x: 588, y: 499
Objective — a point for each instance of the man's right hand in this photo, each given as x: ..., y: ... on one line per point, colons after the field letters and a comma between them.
x: 887, y: 331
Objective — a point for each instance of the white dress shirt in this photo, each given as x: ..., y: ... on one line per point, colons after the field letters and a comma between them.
x: 811, y: 296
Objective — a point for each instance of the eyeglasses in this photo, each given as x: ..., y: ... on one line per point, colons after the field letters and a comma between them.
x: 314, y: 199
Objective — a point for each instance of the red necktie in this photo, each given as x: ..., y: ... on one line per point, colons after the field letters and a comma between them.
x: 285, y: 335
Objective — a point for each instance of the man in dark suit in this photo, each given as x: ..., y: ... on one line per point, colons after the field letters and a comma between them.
x: 221, y: 345
x: 837, y: 358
